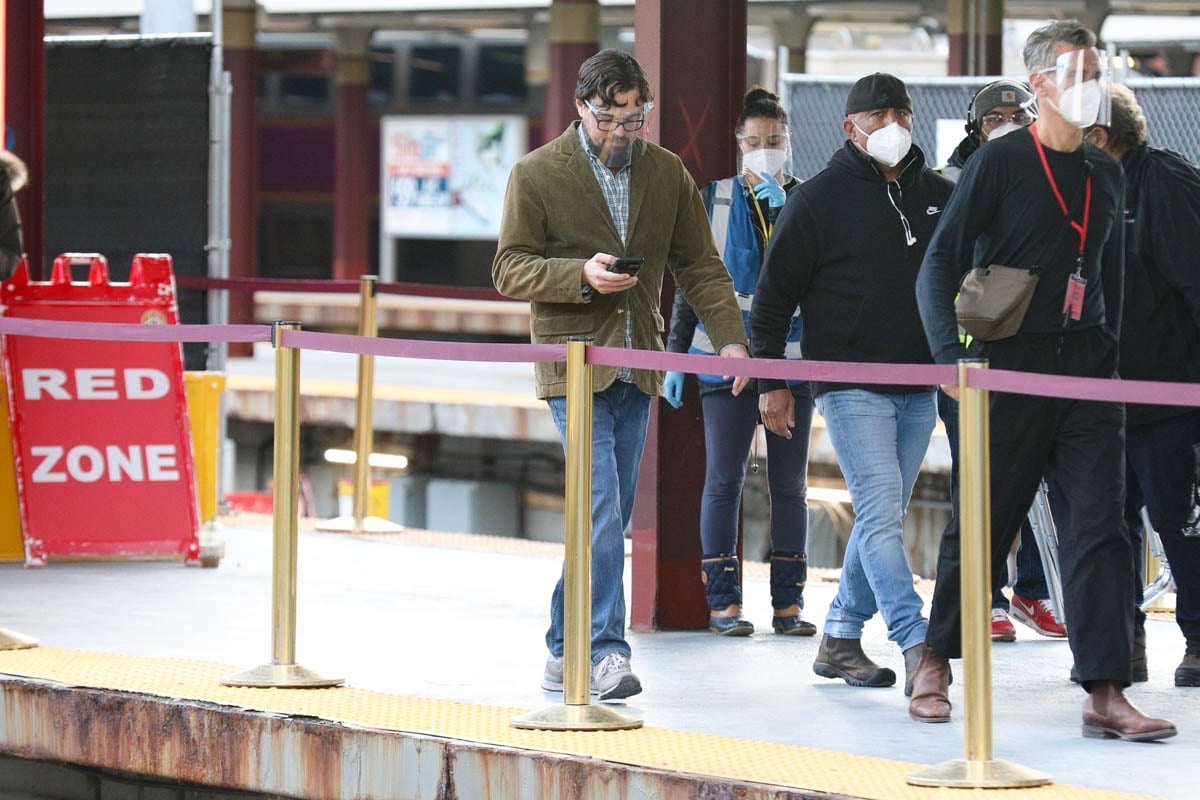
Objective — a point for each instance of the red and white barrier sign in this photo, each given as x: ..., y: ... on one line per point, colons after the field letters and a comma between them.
x: 100, y: 429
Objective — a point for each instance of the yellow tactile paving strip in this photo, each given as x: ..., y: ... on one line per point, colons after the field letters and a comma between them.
x: 655, y: 748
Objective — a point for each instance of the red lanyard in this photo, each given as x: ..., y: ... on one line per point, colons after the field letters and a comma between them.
x: 1080, y: 228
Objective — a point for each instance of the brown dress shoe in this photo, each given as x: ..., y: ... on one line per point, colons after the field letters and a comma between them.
x: 1108, y: 714
x: 931, y: 689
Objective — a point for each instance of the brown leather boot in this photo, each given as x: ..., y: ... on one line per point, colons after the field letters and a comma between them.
x: 845, y: 659
x: 931, y: 689
x: 1188, y: 671
x: 1108, y: 714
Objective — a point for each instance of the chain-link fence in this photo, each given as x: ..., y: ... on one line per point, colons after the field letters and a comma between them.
x: 816, y: 106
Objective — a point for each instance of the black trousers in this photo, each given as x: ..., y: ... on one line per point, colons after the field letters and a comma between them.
x: 1080, y: 446
x: 1161, y: 471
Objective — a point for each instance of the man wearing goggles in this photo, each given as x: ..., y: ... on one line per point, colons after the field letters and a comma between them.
x: 1046, y: 199
x: 996, y: 110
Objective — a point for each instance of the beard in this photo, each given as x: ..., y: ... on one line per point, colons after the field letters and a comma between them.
x: 614, y: 152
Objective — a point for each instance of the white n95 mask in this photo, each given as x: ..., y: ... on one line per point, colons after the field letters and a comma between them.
x: 765, y: 160
x: 890, y: 144
x: 1080, y: 104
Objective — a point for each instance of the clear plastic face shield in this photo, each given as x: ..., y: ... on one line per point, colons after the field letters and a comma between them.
x: 1082, y: 79
x: 764, y: 145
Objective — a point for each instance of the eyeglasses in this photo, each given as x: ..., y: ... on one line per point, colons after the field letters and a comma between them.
x: 774, y: 141
x: 995, y: 119
x: 607, y: 122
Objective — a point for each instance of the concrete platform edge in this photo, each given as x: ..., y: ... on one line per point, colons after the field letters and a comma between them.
x: 305, y: 757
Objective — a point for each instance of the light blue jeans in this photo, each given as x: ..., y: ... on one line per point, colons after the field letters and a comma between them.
x: 620, y: 414
x: 880, y: 441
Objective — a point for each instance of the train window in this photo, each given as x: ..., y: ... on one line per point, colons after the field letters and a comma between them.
x: 304, y: 90
x: 381, y: 60
x: 296, y: 242
x: 434, y: 74
x: 501, y: 73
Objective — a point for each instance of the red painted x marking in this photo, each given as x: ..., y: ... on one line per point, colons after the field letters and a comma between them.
x: 692, y: 148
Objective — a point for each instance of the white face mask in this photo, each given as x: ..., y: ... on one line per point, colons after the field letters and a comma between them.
x: 1004, y: 130
x: 765, y: 160
x: 1080, y: 104
x: 888, y: 145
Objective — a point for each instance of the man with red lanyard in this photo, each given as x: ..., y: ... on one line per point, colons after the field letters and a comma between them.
x: 1042, y: 197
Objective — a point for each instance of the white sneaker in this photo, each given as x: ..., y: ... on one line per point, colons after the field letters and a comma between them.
x: 612, y: 678
x: 552, y: 676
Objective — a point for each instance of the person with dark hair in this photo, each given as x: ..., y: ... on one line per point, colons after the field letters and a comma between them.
x: 742, y: 211
x: 1041, y: 197
x: 1160, y: 341
x: 846, y: 250
x: 13, y: 176
x: 573, y: 206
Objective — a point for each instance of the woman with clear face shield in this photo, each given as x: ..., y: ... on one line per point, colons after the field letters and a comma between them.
x: 742, y: 211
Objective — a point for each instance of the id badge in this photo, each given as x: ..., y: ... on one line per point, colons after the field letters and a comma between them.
x: 1073, y: 302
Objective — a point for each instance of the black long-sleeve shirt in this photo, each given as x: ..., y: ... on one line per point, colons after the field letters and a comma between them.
x: 1003, y: 211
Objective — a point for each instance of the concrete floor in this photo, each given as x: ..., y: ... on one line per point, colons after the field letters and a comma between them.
x: 434, y: 619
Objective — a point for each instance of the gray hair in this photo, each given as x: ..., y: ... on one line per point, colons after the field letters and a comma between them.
x: 1041, y: 45
x: 1127, y: 128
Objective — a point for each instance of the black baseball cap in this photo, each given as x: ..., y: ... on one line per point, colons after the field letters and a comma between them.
x: 878, y: 90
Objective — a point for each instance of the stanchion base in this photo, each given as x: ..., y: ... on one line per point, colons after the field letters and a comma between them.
x: 368, y: 525
x: 577, y: 718
x: 993, y: 774
x: 11, y: 640
x: 280, y: 676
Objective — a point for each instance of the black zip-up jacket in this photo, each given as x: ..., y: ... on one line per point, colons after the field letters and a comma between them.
x: 1160, y: 334
x: 1004, y: 212
x: 847, y: 248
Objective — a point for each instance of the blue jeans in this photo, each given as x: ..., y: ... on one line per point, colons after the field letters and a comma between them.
x: 620, y: 414
x: 880, y: 441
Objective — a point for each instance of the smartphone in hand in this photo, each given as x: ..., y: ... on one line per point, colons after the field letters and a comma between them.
x: 627, y: 265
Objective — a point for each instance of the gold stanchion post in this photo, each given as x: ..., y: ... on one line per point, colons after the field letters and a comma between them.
x: 11, y: 640
x: 978, y: 769
x: 283, y: 672
x: 360, y: 521
x: 576, y: 712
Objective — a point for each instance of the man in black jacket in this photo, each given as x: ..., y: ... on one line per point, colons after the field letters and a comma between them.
x: 1042, y: 197
x: 1160, y: 341
x: 846, y: 249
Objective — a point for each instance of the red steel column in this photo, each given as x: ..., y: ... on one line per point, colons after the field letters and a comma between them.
x: 238, y: 38
x: 975, y: 29
x: 695, y: 56
x: 350, y: 225
x: 574, y: 36
x: 25, y: 112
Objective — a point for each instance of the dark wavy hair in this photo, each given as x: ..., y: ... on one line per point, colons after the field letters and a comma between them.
x: 760, y: 103
x: 609, y: 72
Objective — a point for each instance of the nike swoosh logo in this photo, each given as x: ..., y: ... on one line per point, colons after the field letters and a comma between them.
x: 932, y: 210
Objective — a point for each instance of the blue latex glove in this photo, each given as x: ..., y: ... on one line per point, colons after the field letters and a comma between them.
x: 771, y: 190
x: 673, y: 389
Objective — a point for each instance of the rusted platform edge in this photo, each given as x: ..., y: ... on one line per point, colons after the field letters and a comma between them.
x: 306, y: 757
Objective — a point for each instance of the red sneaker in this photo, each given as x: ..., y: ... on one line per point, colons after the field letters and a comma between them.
x: 1038, y: 615
x: 1002, y: 627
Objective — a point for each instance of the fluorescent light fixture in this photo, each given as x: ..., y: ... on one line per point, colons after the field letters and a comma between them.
x: 381, y: 460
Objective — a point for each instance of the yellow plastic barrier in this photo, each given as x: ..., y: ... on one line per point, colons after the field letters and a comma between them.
x: 204, y: 412
x: 378, y: 497
x: 11, y: 546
